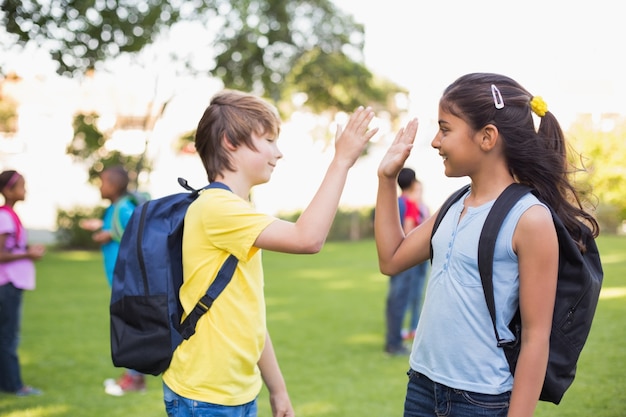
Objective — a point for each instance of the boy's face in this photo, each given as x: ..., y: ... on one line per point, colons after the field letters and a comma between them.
x: 258, y: 165
x: 108, y: 187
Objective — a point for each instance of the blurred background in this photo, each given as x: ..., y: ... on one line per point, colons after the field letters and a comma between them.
x: 89, y: 83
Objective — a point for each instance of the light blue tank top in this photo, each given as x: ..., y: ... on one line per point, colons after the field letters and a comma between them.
x: 455, y: 344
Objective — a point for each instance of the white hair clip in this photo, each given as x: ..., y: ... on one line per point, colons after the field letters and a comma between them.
x: 497, y: 97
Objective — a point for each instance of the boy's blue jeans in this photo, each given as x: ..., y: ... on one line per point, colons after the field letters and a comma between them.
x: 397, y: 300
x: 425, y: 398
x: 10, y: 318
x: 177, y: 406
x: 416, y: 292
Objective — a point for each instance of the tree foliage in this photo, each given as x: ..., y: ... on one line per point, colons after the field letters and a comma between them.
x: 600, y: 143
x: 88, y: 147
x: 81, y: 33
x: 262, y: 46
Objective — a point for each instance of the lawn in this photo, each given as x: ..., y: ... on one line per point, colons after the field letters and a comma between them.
x: 325, y: 314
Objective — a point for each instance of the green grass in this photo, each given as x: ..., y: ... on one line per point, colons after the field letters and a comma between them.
x: 325, y: 314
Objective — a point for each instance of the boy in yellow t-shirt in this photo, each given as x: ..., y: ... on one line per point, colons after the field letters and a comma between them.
x: 222, y: 367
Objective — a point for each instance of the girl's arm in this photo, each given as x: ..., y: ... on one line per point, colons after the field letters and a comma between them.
x: 309, y: 232
x: 34, y: 252
x: 397, y: 252
x: 274, y: 381
x: 536, y: 244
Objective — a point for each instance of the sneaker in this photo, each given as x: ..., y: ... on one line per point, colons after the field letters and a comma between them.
x: 111, y: 388
x: 399, y: 351
x: 27, y: 391
x: 126, y: 383
x: 408, y: 335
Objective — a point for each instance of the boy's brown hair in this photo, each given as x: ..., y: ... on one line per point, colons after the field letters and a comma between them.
x: 234, y: 116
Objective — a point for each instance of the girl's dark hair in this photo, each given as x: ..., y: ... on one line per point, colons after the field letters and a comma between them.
x: 5, y: 177
x: 537, y: 158
x: 233, y: 115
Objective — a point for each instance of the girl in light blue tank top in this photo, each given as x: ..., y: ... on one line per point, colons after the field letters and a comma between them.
x: 487, y: 133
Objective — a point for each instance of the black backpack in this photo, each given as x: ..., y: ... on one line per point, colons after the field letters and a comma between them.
x: 578, y: 291
x: 145, y: 310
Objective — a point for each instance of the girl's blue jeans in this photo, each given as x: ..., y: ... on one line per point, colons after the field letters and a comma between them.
x: 177, y: 406
x: 10, y: 319
x: 427, y: 398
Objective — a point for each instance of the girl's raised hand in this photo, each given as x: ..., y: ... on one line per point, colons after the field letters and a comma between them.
x: 399, y: 151
x: 351, y: 141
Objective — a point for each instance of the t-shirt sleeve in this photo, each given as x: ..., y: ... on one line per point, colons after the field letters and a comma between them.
x: 125, y: 211
x: 233, y: 224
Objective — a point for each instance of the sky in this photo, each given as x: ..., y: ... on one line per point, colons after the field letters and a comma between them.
x: 568, y: 52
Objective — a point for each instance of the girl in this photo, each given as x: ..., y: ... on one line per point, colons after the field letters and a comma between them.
x: 486, y: 132
x: 17, y: 273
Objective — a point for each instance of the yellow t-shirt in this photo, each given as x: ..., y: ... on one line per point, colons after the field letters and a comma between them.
x: 218, y: 364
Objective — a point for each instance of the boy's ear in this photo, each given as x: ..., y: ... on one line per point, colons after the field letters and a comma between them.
x: 228, y: 144
x: 490, y: 136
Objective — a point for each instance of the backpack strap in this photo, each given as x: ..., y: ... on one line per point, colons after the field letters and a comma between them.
x: 487, y: 243
x: 454, y: 197
x: 117, y: 228
x: 17, y: 223
x: 224, y: 276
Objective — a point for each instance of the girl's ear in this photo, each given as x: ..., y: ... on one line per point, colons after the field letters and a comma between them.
x: 490, y: 137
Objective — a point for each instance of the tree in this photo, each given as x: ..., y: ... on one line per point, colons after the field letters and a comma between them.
x: 256, y: 44
x: 8, y: 108
x: 87, y: 147
x: 600, y: 143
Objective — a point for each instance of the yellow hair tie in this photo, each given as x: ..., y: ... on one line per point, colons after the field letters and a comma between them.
x: 538, y: 106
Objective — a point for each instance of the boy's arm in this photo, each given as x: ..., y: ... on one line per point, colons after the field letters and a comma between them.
x: 91, y: 225
x: 274, y: 381
x: 309, y: 232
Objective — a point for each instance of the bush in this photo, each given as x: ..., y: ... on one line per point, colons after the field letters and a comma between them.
x: 69, y: 234
x: 610, y: 218
x: 352, y: 225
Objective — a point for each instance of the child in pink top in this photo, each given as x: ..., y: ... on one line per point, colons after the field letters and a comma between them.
x: 17, y: 273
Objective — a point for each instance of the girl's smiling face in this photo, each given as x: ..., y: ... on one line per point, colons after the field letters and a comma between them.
x: 458, y: 145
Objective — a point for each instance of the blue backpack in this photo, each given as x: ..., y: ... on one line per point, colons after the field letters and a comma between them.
x: 145, y: 310
x: 578, y: 291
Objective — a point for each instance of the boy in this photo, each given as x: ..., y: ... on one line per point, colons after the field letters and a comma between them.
x: 222, y: 367
x: 108, y: 232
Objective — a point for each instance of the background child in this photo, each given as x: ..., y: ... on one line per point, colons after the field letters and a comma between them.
x: 418, y: 283
x: 108, y: 232
x: 17, y: 274
x: 405, y: 287
x: 222, y: 366
x: 486, y: 132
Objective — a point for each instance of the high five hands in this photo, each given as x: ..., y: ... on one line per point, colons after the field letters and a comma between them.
x: 350, y: 141
x: 399, y: 151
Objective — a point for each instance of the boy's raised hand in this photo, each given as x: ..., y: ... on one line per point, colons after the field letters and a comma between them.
x: 399, y: 151
x: 351, y: 141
